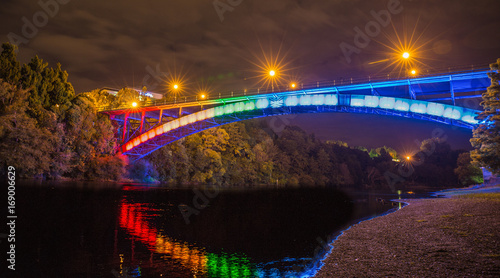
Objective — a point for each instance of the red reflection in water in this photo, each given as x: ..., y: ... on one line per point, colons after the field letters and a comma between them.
x: 132, y: 219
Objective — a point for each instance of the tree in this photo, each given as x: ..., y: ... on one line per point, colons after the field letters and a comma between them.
x: 125, y: 97
x: 90, y: 136
x: 22, y: 144
x: 10, y: 70
x: 467, y: 172
x: 486, y: 138
x: 49, y: 88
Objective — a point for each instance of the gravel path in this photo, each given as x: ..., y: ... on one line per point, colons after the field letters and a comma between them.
x: 455, y: 237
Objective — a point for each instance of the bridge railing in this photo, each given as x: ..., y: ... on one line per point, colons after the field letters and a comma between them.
x: 304, y: 86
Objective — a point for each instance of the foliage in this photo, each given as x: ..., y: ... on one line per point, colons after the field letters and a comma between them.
x: 434, y: 164
x: 22, y: 144
x: 244, y: 154
x: 47, y: 131
x: 466, y: 172
x: 486, y: 139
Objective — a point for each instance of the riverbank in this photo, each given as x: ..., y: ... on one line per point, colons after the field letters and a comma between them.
x: 447, y: 237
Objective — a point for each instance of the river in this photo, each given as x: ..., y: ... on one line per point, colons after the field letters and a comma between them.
x: 78, y: 229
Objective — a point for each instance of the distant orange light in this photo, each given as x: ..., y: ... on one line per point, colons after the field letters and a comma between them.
x: 272, y: 73
x: 413, y: 72
x: 408, y: 157
x: 406, y: 55
x: 176, y: 86
x: 134, y: 104
x: 293, y: 85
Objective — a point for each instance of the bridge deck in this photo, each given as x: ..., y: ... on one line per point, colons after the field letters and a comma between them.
x: 441, y: 98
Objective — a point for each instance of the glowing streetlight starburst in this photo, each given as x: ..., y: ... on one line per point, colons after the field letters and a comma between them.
x: 176, y: 82
x: 176, y: 85
x: 271, y: 68
x: 203, y: 89
x: 406, y: 50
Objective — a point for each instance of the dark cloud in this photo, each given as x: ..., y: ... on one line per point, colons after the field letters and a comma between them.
x: 99, y: 40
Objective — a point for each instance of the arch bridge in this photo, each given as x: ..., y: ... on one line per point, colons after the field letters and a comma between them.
x: 451, y: 98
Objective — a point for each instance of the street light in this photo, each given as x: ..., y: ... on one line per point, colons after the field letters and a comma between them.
x: 134, y: 104
x: 408, y: 158
x: 293, y: 85
x: 176, y: 86
x: 272, y: 75
x: 413, y: 72
x: 406, y: 55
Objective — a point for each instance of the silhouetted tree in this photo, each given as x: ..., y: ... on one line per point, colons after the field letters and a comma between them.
x: 486, y: 138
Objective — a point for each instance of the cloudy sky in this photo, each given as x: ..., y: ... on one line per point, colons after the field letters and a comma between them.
x: 221, y: 43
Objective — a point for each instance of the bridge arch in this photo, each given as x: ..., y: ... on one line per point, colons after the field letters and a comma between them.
x: 243, y: 108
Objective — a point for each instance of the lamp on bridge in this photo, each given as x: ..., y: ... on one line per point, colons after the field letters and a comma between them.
x: 293, y: 85
x: 272, y: 75
x: 176, y: 86
x: 406, y: 55
x: 134, y: 104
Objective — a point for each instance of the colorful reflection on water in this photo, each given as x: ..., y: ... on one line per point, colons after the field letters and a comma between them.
x: 134, y: 219
x: 141, y: 222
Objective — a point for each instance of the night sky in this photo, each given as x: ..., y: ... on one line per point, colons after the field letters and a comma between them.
x: 219, y: 44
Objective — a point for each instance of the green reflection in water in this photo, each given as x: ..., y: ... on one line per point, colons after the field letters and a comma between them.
x: 230, y: 265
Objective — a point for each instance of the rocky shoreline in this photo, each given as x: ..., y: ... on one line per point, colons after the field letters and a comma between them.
x: 447, y: 237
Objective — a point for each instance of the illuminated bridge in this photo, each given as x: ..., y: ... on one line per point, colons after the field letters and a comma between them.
x: 450, y: 98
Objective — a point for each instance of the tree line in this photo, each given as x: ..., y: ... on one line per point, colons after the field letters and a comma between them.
x: 249, y: 153
x: 48, y: 131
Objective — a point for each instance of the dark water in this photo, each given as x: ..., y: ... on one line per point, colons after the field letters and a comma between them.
x: 115, y: 230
